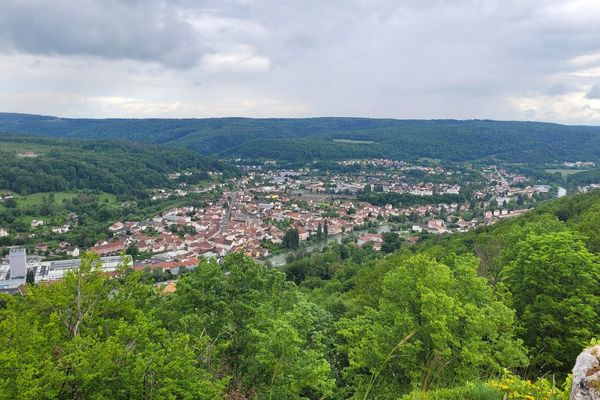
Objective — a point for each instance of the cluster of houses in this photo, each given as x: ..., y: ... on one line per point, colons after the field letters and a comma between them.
x: 241, y: 222
x: 384, y: 181
x: 269, y: 202
x: 505, y: 187
x: 266, y: 205
x: 27, y: 154
x: 183, y: 189
x: 587, y: 188
x: 236, y: 223
x: 579, y: 164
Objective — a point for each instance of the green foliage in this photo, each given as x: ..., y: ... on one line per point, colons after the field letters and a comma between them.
x: 132, y: 250
x: 121, y: 168
x: 391, y: 242
x: 270, y: 338
x: 555, y: 286
x: 90, y: 337
x: 407, y: 199
x: 443, y: 319
x: 461, y: 330
x: 291, y: 240
x: 584, y: 178
x: 322, y: 139
x: 30, y: 277
x: 470, y: 391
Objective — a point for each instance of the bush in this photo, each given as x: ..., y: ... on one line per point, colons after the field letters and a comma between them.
x: 470, y: 391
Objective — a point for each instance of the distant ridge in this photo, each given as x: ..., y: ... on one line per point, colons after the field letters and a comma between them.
x: 333, y: 138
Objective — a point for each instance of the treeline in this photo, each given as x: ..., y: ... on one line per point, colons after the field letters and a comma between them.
x: 407, y: 199
x: 123, y: 168
x: 317, y: 139
x: 584, y: 178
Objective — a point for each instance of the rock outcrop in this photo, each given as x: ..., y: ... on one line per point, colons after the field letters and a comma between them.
x: 586, y: 375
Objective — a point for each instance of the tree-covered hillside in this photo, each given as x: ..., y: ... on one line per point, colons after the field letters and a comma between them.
x: 307, y: 139
x: 498, y: 313
x: 30, y: 164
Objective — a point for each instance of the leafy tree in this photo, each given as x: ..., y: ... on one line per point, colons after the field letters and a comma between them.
x: 435, y: 324
x: 132, y: 250
x: 87, y: 336
x: 555, y: 286
x: 391, y: 242
x: 269, y: 336
x: 590, y: 227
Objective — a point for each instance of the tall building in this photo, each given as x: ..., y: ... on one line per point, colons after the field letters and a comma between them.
x: 18, y: 262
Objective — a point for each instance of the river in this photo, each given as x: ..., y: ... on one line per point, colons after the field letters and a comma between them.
x: 280, y: 259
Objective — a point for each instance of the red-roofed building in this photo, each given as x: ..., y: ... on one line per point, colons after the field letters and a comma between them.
x: 109, y: 248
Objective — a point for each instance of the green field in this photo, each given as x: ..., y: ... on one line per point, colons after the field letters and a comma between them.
x: 37, y: 199
x: 353, y: 141
x: 566, y: 172
x: 15, y: 147
x: 29, y: 202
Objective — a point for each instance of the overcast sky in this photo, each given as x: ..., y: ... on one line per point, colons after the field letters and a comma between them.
x: 498, y: 59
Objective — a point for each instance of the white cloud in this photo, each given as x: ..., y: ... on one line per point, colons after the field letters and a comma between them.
x: 571, y: 108
x: 242, y: 58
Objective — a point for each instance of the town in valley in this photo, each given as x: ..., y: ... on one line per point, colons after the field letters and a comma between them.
x: 270, y: 212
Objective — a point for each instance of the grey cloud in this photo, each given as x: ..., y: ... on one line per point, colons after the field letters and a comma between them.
x: 146, y: 30
x: 594, y: 92
x: 559, y: 88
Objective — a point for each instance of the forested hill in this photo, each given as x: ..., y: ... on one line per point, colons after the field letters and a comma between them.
x: 307, y: 139
x: 30, y: 164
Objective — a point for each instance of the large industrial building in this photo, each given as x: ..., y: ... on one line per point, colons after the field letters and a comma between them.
x: 13, y: 274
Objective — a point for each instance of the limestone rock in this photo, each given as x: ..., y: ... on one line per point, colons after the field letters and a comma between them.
x: 586, y: 375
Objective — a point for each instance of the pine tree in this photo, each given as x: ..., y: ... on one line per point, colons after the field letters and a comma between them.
x: 291, y: 240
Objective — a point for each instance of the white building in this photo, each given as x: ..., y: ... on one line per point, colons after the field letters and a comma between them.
x: 541, y: 188
x: 3, y: 232
x: 502, y: 200
x: 17, y: 259
x: 74, y: 252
